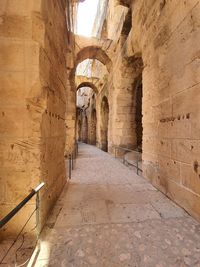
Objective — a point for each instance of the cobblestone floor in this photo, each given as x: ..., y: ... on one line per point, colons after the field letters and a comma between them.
x: 110, y: 217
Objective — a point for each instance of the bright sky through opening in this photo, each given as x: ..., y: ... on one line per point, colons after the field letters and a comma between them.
x: 86, y: 15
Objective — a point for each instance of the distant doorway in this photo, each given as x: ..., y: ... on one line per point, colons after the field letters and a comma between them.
x: 138, y: 111
x: 85, y: 129
x: 93, y: 127
x: 104, y: 123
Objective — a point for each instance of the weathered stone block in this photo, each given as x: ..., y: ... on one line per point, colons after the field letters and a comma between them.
x: 170, y: 169
x: 12, y: 55
x: 187, y: 151
x: 14, y: 26
x: 191, y: 177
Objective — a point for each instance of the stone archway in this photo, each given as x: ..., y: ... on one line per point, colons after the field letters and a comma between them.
x: 94, y: 52
x: 84, y: 81
x: 94, y: 48
x: 88, y: 84
x: 104, y: 123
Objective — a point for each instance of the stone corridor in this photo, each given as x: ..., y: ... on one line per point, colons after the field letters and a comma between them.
x: 110, y: 217
x: 125, y: 82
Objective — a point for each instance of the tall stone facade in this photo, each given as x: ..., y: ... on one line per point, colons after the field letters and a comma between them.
x: 166, y: 37
x: 35, y: 38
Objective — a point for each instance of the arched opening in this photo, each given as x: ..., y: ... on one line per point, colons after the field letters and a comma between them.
x: 83, y: 97
x: 92, y: 65
x: 79, y: 130
x: 91, y: 53
x: 93, y: 125
x: 104, y: 123
x: 86, y: 106
x: 88, y: 84
x: 138, y: 111
x: 128, y: 125
x: 84, y: 130
x: 94, y: 52
x: 135, y: 116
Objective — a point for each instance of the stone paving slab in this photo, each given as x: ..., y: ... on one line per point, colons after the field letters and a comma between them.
x: 88, y: 212
x: 110, y: 217
x: 132, y: 212
x: 153, y: 243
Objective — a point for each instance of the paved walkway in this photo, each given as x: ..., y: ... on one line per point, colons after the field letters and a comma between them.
x: 110, y: 217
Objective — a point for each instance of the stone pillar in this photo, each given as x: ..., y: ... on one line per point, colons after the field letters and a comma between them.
x: 125, y: 73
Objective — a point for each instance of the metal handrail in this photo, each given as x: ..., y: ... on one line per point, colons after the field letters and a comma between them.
x: 127, y: 149
x: 71, y: 159
x: 70, y: 166
x: 130, y: 150
x: 13, y: 212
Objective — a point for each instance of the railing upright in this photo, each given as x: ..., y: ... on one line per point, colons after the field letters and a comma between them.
x: 9, y: 216
x: 71, y: 159
x: 123, y: 158
x: 69, y: 166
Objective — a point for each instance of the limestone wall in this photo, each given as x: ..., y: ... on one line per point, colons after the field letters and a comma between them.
x: 167, y: 34
x: 53, y: 77
x: 70, y: 117
x: 20, y: 123
x: 33, y: 104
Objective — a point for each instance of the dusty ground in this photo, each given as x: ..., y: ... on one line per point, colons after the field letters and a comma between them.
x: 110, y: 217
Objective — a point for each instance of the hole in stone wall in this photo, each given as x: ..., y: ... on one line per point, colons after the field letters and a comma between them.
x: 196, y: 166
x: 127, y: 24
x: 124, y: 2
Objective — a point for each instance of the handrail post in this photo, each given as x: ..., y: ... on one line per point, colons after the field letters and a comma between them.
x: 69, y: 166
x: 37, y: 214
x: 12, y: 213
x: 75, y: 155
x: 137, y: 163
x: 72, y: 159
